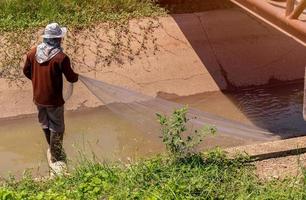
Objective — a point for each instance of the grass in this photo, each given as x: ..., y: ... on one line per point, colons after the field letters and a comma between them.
x: 209, y: 176
x: 20, y: 14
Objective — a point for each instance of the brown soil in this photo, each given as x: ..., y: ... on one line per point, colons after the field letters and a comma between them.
x: 280, y: 168
x: 273, y: 162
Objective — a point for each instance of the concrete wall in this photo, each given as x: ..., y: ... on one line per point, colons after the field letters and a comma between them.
x: 239, y: 50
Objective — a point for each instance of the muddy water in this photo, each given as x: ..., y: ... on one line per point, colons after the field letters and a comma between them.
x: 277, y: 109
x: 95, y: 131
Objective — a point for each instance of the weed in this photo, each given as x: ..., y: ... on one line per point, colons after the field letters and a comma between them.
x: 173, y: 128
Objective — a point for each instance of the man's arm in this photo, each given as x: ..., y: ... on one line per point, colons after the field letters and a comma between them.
x: 70, y: 75
x: 27, y: 69
x: 304, y: 99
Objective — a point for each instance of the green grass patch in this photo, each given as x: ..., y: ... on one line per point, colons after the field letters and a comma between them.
x: 20, y: 14
x: 209, y: 176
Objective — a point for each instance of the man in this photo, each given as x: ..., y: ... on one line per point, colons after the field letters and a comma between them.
x: 44, y: 66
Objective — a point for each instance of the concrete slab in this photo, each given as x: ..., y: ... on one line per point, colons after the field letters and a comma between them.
x: 239, y: 50
x: 282, y: 167
x: 275, y: 149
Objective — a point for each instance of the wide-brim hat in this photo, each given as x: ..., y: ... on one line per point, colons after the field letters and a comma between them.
x: 53, y: 30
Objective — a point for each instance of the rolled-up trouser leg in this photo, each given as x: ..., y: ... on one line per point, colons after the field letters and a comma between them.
x: 44, y: 121
x: 56, y: 147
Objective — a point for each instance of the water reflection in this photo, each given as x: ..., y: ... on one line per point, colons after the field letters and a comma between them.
x: 277, y: 109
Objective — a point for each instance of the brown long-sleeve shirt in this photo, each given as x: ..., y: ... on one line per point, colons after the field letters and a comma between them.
x: 47, y: 79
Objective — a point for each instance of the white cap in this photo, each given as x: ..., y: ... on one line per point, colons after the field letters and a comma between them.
x: 54, y: 31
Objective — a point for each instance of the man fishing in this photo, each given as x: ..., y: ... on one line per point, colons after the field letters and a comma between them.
x: 44, y: 66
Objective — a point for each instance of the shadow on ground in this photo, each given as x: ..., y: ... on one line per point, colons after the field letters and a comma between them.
x: 240, y: 51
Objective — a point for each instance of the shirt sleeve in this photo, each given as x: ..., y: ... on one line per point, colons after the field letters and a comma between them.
x: 27, y: 69
x: 70, y: 75
x: 304, y: 99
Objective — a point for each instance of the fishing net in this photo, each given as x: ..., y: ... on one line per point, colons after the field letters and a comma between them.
x: 140, y: 110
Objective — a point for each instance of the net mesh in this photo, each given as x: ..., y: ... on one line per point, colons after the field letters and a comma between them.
x: 140, y: 110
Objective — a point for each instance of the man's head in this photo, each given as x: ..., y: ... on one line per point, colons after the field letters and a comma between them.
x: 51, y: 44
x: 53, y: 34
x: 53, y: 30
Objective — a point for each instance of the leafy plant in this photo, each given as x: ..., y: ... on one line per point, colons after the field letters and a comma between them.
x: 173, y: 128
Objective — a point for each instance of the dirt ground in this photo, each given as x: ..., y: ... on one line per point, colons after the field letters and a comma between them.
x: 274, y: 158
x: 280, y: 168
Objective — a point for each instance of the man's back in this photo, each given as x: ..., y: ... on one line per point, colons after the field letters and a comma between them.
x: 47, y: 78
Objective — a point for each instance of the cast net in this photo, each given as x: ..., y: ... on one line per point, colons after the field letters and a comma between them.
x: 140, y: 110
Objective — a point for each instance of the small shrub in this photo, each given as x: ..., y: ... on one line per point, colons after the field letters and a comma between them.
x: 173, y: 128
